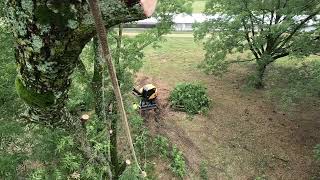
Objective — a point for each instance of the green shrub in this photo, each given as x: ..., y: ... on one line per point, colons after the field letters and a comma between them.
x: 80, y: 94
x: 317, y: 152
x: 203, y: 171
x: 162, y: 144
x: 131, y: 172
x: 191, y: 98
x: 178, y: 164
x: 263, y: 177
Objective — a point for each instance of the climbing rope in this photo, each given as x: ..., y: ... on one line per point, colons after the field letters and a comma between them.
x: 106, y: 55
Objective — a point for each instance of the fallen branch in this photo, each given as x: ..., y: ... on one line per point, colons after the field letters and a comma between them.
x: 243, y: 61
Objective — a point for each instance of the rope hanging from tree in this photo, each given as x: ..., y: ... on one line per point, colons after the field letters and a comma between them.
x: 106, y: 54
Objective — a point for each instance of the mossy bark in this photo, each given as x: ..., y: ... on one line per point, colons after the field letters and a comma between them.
x: 50, y: 36
x: 262, y: 65
x: 261, y: 68
x: 97, y: 80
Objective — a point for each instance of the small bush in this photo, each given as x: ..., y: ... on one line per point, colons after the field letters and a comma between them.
x: 178, y: 164
x: 204, y: 171
x: 317, y: 152
x: 162, y: 145
x: 191, y: 98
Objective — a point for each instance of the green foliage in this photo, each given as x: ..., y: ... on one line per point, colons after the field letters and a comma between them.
x: 191, y: 98
x: 80, y: 93
x: 178, y: 164
x: 132, y: 172
x: 10, y: 106
x: 162, y: 145
x: 317, y: 152
x: 59, y: 155
x: 9, y: 163
x: 2, y: 5
x: 268, y: 29
x: 198, y: 6
x: 55, y: 152
x: 204, y: 171
x: 38, y: 174
x: 260, y: 178
x: 71, y: 161
x: 141, y: 141
x: 9, y: 103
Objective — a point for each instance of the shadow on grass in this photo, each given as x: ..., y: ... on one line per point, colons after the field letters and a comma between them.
x: 288, y: 82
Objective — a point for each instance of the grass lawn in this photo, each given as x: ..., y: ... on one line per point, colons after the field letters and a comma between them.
x: 287, y: 80
x: 177, y: 56
x: 244, y: 135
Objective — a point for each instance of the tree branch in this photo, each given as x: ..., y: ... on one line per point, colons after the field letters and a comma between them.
x: 297, y: 28
x: 243, y: 61
x: 115, y: 12
x: 251, y: 17
x: 271, y: 18
x: 249, y: 41
x: 280, y: 55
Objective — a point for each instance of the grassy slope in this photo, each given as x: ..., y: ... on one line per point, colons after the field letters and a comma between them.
x: 286, y: 80
x: 174, y: 57
x: 244, y: 136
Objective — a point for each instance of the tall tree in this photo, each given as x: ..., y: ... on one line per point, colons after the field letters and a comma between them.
x: 49, y: 37
x: 270, y: 29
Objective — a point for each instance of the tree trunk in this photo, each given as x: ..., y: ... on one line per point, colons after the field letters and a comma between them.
x: 97, y: 80
x: 118, y: 50
x: 50, y: 36
x: 260, y: 75
x: 114, y: 146
x: 262, y: 65
x: 47, y: 51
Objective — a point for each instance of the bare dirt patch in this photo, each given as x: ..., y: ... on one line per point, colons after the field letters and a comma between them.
x: 243, y: 136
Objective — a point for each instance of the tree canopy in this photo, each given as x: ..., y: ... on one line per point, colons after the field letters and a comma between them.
x: 270, y: 29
